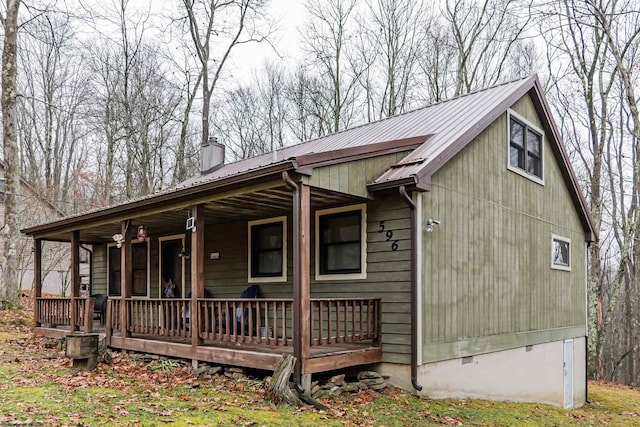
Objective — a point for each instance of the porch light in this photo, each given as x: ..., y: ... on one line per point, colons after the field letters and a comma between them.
x: 430, y: 223
x: 184, y: 254
x: 142, y: 233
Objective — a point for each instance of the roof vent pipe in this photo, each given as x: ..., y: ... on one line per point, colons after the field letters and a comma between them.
x: 211, y: 155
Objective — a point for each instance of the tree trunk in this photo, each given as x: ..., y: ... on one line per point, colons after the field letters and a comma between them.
x: 278, y: 390
x: 10, y: 285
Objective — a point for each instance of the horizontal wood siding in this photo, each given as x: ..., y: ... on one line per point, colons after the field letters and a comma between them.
x: 487, y: 277
x: 388, y: 275
x: 99, y: 271
x: 353, y: 177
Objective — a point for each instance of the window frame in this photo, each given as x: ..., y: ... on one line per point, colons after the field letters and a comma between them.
x: 182, y: 238
x: 133, y: 243
x: 528, y: 126
x: 363, y: 243
x: 264, y: 279
x: 554, y: 265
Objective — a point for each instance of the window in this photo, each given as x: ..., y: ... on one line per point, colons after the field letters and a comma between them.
x: 340, y: 243
x: 267, y: 254
x: 139, y: 256
x: 525, y: 148
x: 560, y: 253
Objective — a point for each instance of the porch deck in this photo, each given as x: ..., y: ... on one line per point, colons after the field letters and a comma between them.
x: 249, y: 333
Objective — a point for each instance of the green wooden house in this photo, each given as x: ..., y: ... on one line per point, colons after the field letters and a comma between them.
x: 445, y: 246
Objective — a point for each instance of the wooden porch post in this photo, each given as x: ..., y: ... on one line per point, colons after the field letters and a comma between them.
x: 197, y: 276
x: 75, y: 276
x: 37, y: 277
x: 301, y: 279
x: 304, y: 284
x: 126, y: 276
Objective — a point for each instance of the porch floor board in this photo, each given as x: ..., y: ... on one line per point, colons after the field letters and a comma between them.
x: 259, y: 356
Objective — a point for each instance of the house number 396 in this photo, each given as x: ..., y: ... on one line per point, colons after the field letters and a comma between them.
x: 389, y: 234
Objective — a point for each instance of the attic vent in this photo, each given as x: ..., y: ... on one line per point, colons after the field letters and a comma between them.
x: 409, y: 162
x: 211, y: 156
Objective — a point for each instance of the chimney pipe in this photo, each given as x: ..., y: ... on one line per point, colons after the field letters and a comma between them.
x: 211, y: 156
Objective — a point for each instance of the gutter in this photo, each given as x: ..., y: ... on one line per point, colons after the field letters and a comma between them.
x: 414, y: 291
x: 297, y: 306
x: 136, y: 208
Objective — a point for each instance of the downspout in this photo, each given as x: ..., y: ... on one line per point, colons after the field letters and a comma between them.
x: 297, y: 338
x: 586, y: 335
x: 414, y: 291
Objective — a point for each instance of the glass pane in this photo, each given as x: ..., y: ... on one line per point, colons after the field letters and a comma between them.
x: 516, y: 157
x: 114, y: 257
x: 533, y: 142
x: 342, y: 228
x: 270, y: 262
x: 114, y: 283
x: 343, y: 257
x: 266, y: 250
x: 534, y: 166
x: 139, y: 256
x: 561, y: 253
x: 139, y: 287
x: 270, y: 236
x: 517, y: 133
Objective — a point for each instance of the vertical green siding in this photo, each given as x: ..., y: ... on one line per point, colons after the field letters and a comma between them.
x: 487, y: 277
x: 353, y: 177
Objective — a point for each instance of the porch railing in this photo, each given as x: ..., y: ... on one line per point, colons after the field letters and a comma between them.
x: 54, y: 312
x: 345, y: 320
x: 162, y: 317
x: 256, y: 321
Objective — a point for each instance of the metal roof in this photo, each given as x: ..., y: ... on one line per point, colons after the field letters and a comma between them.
x: 434, y: 134
x: 446, y: 121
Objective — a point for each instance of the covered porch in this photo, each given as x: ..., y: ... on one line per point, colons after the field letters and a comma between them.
x: 323, y: 331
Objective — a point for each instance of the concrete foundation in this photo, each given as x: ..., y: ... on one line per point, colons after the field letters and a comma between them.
x: 537, y: 373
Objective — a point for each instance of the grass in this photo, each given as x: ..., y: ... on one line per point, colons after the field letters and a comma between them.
x: 38, y: 386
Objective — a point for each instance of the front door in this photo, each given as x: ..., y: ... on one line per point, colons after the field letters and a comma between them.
x: 172, y: 256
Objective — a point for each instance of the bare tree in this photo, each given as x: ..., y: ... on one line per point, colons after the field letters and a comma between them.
x: 10, y: 232
x: 54, y: 101
x: 216, y: 28
x: 595, y: 96
x: 395, y: 34
x: 326, y: 38
x: 484, y: 33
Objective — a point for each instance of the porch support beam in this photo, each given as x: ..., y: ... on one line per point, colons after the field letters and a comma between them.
x: 197, y: 275
x: 75, y: 276
x: 301, y: 277
x: 126, y: 276
x: 305, y: 279
x: 37, y: 276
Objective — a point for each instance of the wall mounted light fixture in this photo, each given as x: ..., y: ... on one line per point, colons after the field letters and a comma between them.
x: 142, y: 233
x: 430, y: 223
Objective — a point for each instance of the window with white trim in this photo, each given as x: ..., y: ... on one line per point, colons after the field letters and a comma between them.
x: 525, y: 147
x: 341, y: 243
x: 267, y: 250
x: 560, y: 253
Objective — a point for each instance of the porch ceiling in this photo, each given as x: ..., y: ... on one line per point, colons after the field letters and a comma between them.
x: 239, y: 207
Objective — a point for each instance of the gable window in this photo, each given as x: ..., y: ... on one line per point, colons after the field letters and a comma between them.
x: 341, y: 243
x: 139, y: 267
x: 560, y: 253
x: 525, y: 148
x: 267, y: 250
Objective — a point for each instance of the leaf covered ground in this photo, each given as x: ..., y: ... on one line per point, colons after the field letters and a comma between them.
x: 38, y: 386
